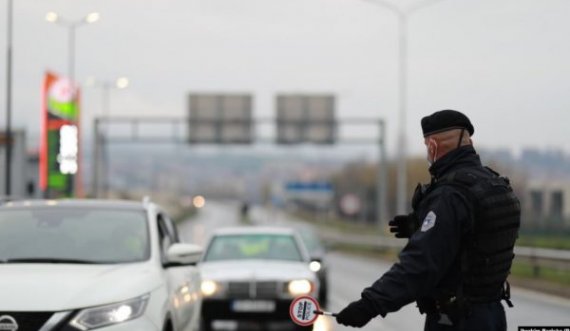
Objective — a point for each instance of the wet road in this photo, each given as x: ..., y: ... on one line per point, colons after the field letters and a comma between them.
x: 350, y: 274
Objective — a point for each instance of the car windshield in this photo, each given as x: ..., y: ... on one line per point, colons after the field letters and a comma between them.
x: 311, y: 241
x: 253, y: 246
x: 73, y: 235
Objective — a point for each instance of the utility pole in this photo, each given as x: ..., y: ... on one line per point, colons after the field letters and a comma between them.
x: 402, y: 169
x: 8, y: 158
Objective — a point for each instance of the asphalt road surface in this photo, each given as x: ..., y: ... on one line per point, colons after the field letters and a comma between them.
x: 350, y: 274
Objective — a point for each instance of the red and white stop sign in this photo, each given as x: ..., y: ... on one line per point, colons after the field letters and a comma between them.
x: 304, y: 310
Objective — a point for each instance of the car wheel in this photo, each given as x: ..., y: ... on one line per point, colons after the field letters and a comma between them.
x: 167, y: 326
x: 205, y: 324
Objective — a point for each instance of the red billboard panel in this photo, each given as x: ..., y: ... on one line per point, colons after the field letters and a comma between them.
x: 59, y: 147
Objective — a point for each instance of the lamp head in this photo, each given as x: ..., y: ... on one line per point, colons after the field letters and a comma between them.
x: 52, y: 17
x: 122, y: 82
x: 92, y: 17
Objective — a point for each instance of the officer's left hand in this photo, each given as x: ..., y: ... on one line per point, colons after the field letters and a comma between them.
x: 403, y: 226
x: 356, y: 314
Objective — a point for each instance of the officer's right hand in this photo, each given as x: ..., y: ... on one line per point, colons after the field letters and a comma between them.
x: 403, y: 226
x: 357, y: 314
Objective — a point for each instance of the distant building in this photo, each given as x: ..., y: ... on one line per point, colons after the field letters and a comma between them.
x: 548, y: 204
x: 551, y: 163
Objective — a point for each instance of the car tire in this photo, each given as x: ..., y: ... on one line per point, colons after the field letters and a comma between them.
x: 206, y: 324
x: 167, y: 326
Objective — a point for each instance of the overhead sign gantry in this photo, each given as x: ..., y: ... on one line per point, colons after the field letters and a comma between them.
x: 228, y: 119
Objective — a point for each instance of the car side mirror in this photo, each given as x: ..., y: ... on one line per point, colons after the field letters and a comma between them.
x: 183, y: 254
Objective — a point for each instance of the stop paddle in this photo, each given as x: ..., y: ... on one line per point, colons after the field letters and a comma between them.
x: 305, y: 310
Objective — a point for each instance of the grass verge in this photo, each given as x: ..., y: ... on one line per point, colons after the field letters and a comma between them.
x: 340, y: 225
x: 525, y: 270
x: 523, y: 274
x: 388, y: 254
x: 553, y: 241
x: 547, y: 280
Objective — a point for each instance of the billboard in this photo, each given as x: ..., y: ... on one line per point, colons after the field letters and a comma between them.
x: 306, y: 119
x: 59, y: 146
x: 220, y: 119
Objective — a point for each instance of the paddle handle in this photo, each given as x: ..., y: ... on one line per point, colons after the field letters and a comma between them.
x: 325, y: 313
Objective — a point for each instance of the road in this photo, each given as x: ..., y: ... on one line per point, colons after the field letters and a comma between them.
x: 350, y: 274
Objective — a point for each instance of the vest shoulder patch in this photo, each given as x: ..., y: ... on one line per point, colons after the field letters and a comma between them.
x: 429, y: 221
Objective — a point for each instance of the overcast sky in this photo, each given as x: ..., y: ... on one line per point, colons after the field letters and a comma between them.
x: 505, y: 63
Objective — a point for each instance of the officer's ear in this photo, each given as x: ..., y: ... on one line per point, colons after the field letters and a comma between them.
x: 432, y: 146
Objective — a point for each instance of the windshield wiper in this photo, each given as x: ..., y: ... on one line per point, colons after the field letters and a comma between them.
x: 48, y: 260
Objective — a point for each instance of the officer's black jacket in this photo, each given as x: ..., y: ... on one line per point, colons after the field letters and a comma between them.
x: 429, y: 263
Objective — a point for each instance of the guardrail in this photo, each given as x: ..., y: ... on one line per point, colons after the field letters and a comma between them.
x: 537, y: 257
x: 543, y: 253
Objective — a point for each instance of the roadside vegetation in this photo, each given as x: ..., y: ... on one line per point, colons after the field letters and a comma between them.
x: 525, y: 269
x: 184, y: 213
x: 551, y: 278
x: 178, y: 208
x: 339, y: 224
x: 552, y: 240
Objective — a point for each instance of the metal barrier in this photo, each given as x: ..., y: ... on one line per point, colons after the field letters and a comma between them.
x: 537, y: 257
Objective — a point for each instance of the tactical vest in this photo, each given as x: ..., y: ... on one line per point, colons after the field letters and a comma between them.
x: 487, y: 253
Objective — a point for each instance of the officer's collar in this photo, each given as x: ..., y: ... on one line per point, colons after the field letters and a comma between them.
x: 464, y: 156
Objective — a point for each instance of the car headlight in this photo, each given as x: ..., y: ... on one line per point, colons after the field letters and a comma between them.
x: 92, y: 318
x: 315, y: 266
x: 300, y: 287
x: 209, y: 287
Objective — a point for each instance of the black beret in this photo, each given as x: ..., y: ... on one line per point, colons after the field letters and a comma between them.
x: 445, y: 120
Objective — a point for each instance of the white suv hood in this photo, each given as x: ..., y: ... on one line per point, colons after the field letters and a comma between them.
x: 55, y: 287
x: 256, y: 269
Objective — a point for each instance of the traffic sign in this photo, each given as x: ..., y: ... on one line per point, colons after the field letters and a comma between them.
x: 220, y: 119
x: 304, y: 310
x: 318, y: 192
x: 306, y: 119
x: 296, y: 186
x: 350, y: 204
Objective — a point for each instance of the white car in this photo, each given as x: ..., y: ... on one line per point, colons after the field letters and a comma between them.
x: 75, y: 265
x: 254, y: 273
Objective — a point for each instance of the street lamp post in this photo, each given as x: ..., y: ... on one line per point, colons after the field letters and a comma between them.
x: 100, y: 170
x: 402, y: 16
x: 8, y: 133
x: 53, y: 17
x: 71, y: 27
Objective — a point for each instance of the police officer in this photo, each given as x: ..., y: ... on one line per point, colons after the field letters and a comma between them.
x: 462, y: 232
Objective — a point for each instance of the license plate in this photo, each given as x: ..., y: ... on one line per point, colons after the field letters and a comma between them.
x: 253, y: 306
